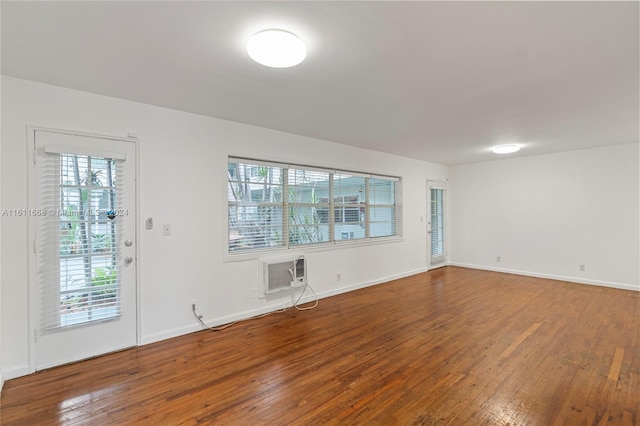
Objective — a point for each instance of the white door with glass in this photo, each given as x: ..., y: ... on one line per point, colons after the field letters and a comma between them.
x: 436, y: 230
x: 83, y: 268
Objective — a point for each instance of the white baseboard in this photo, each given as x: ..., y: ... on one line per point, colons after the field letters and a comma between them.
x: 23, y: 370
x: 577, y: 280
x: 211, y: 322
x: 358, y: 286
x: 308, y: 297
x: 19, y: 371
x: 168, y: 334
x: 15, y: 371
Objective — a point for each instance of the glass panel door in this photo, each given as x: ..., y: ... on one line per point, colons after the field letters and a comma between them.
x: 84, y: 262
x: 436, y: 225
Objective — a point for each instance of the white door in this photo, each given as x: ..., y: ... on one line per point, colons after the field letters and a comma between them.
x: 83, y: 268
x: 436, y: 226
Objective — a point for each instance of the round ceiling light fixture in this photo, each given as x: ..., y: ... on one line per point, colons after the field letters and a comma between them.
x: 276, y: 48
x: 506, y: 149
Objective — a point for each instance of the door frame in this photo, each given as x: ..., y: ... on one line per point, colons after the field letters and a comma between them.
x: 439, y: 184
x: 32, y: 290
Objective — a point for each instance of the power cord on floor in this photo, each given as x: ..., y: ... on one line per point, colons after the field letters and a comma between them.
x: 279, y: 311
x: 304, y: 288
x: 315, y: 297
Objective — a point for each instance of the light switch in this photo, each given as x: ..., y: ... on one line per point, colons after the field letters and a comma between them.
x: 166, y: 229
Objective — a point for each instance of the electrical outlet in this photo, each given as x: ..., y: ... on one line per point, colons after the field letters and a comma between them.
x: 581, y: 268
x: 338, y: 276
x: 193, y: 308
x: 498, y: 259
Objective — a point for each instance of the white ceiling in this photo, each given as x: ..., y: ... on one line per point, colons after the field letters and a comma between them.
x: 438, y: 81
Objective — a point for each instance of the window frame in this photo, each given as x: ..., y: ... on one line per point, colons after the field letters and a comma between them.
x: 333, y: 241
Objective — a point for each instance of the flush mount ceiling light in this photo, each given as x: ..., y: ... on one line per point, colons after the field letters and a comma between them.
x: 506, y: 149
x: 276, y: 48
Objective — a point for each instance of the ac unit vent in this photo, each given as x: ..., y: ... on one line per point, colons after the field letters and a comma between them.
x: 282, y: 275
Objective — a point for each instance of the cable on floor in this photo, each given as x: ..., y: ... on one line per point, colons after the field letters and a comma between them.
x: 294, y: 304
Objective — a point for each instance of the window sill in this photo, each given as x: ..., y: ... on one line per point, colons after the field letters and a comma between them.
x: 338, y: 245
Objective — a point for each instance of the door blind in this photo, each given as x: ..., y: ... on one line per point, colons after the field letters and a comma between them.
x: 78, y: 235
x: 437, y: 225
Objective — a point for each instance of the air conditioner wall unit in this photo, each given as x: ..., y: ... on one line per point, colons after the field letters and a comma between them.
x: 279, y: 275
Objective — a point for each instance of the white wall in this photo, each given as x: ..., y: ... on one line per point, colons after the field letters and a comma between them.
x: 1, y: 374
x: 182, y: 181
x: 545, y: 215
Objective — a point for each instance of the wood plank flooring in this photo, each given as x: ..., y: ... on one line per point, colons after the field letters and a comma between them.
x: 452, y: 346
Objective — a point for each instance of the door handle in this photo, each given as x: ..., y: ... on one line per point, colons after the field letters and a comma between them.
x: 128, y: 259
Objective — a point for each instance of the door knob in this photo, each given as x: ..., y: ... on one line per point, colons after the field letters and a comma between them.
x: 128, y: 243
x: 128, y: 259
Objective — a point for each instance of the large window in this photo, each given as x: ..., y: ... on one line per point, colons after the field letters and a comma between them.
x: 273, y: 205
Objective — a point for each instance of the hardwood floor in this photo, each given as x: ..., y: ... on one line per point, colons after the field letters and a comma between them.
x: 452, y: 346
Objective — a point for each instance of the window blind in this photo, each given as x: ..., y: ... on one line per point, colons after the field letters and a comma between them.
x: 308, y: 191
x: 382, y: 203
x: 437, y: 224
x: 256, y: 210
x: 78, y: 233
